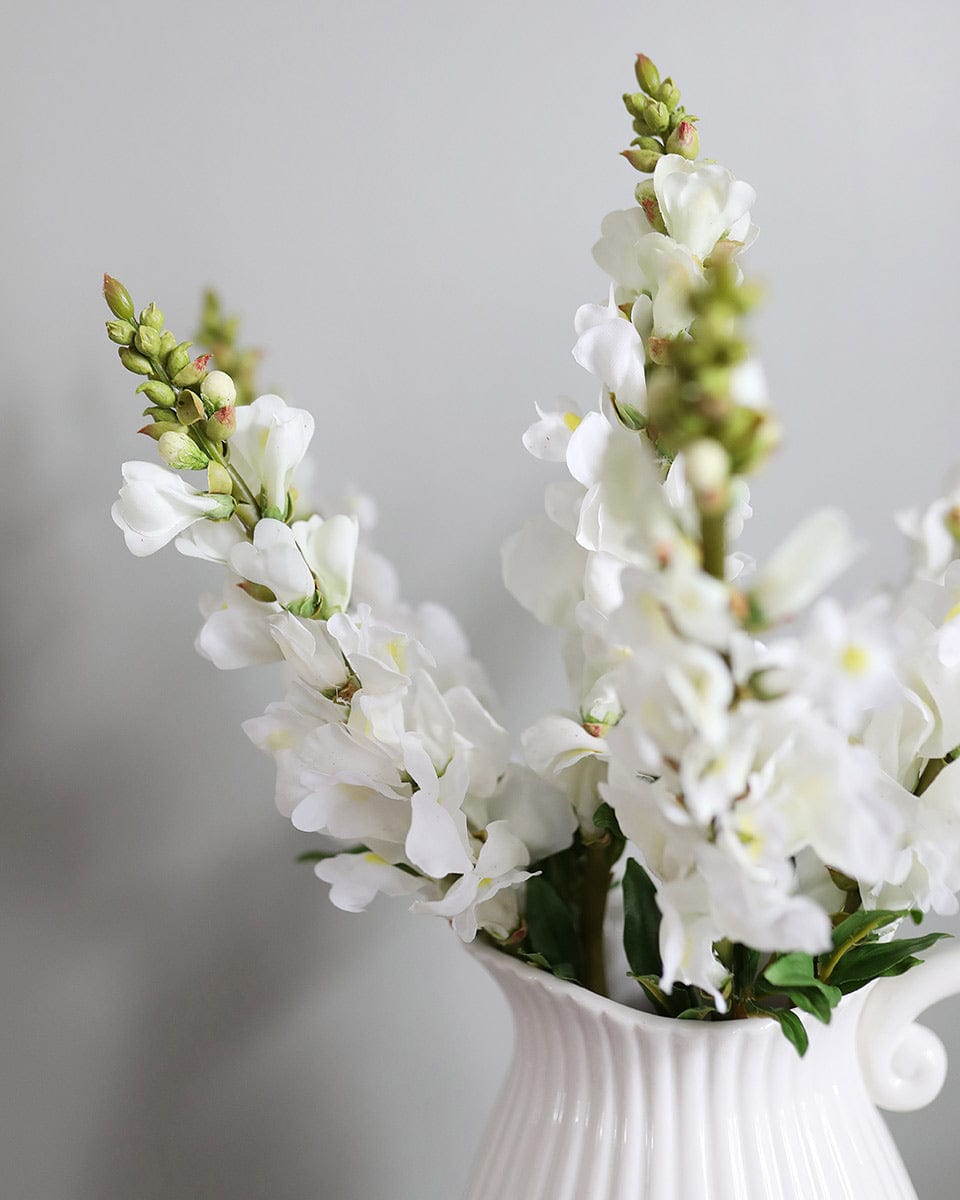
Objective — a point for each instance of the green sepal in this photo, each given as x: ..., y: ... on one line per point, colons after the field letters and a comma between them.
x: 703, y: 1013
x: 656, y: 995
x: 307, y: 607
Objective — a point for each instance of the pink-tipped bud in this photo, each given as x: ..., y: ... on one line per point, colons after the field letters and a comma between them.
x: 684, y: 141
x: 117, y: 298
x: 193, y: 372
x: 647, y: 74
x: 222, y: 424
x: 641, y: 159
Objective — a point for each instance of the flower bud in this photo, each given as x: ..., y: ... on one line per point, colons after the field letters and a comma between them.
x: 152, y: 317
x: 646, y: 197
x: 669, y: 94
x: 257, y: 591
x: 218, y: 479
x: 177, y: 358
x: 117, y: 298
x: 642, y: 160
x: 147, y: 341
x: 193, y: 372
x: 635, y: 102
x: 135, y: 362
x: 167, y: 343
x: 190, y: 408
x: 159, y: 428
x: 658, y: 348
x: 952, y: 522
x: 647, y: 74
x: 218, y: 389
x: 222, y: 424
x: 121, y: 332
x: 656, y: 116
x: 160, y: 393
x: 708, y: 472
x: 684, y: 141
x: 180, y: 451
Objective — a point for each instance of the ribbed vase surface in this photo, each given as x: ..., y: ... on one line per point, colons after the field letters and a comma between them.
x: 606, y: 1103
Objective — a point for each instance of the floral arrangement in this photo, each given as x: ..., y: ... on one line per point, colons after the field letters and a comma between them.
x: 765, y: 776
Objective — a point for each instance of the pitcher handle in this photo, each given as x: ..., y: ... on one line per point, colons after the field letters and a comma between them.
x: 904, y: 1064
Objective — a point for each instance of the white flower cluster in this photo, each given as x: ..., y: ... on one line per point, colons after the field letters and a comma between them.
x: 384, y: 743
x: 755, y: 779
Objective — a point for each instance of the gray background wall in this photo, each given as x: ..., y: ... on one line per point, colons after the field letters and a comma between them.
x: 401, y: 200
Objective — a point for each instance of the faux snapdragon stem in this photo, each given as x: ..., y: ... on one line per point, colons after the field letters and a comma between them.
x: 595, y: 889
x: 712, y: 535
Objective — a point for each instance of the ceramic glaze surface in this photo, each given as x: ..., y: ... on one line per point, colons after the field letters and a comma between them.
x: 606, y: 1103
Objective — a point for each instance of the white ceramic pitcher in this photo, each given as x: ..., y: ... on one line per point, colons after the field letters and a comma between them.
x: 603, y: 1102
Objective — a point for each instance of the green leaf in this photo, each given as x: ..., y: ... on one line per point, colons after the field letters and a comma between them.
x: 606, y: 818
x: 866, y: 962
x: 641, y: 921
x: 315, y: 856
x: 561, y: 970
x: 551, y: 929
x: 746, y: 964
x: 861, y: 924
x: 703, y: 1013
x: 791, y: 970
x: 813, y: 1002
x: 792, y: 1028
x: 660, y: 1000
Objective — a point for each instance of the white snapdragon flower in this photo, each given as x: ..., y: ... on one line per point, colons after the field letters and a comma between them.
x: 616, y: 251
x: 687, y: 933
x: 329, y: 548
x: 611, y: 348
x: 499, y: 865
x: 382, y: 655
x: 274, y: 560
x: 211, y: 541
x: 846, y: 661
x: 237, y: 631
x: 931, y: 533
x: 155, y: 505
x: 270, y: 441
x: 311, y: 652
x: 675, y: 273
x: 535, y: 812
x: 557, y: 742
x: 355, y: 879
x: 701, y: 203
x: 543, y: 569
x: 548, y: 437
x: 818, y: 550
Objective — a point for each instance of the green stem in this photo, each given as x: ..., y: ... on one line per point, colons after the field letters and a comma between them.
x: 595, y: 889
x: 712, y: 533
x: 929, y: 774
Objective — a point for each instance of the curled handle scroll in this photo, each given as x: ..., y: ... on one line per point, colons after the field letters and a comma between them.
x: 904, y: 1064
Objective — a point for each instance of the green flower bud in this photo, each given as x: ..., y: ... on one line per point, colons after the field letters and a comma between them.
x: 952, y: 522
x: 159, y: 428
x: 708, y: 473
x: 158, y: 413
x: 656, y: 116
x: 647, y: 199
x: 167, y: 343
x: 647, y: 74
x: 135, y: 362
x: 219, y: 389
x: 222, y: 424
x: 117, y: 298
x: 669, y: 94
x: 219, y: 480
x: 147, y: 341
x: 635, y: 103
x: 257, y: 591
x: 227, y: 507
x: 177, y: 358
x: 193, y: 372
x: 160, y: 393
x: 152, y: 317
x: 120, y: 332
x: 180, y: 451
x: 642, y: 160
x: 684, y: 141
x: 190, y: 408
